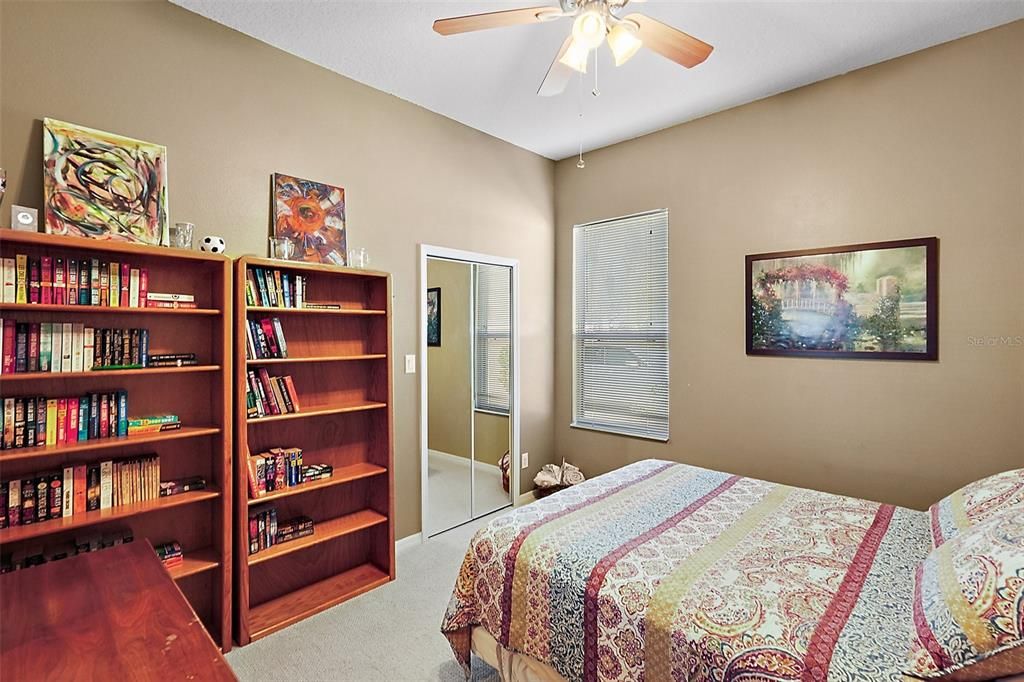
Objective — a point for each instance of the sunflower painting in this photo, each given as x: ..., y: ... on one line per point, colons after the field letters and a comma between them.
x: 313, y: 215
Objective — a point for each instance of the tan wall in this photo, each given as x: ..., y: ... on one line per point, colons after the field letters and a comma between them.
x: 929, y: 144
x: 449, y: 385
x: 232, y: 110
x: 490, y: 438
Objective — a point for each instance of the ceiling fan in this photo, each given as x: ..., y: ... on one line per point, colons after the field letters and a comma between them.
x: 595, y: 21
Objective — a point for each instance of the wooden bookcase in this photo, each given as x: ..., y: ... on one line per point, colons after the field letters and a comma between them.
x: 340, y: 362
x: 199, y: 395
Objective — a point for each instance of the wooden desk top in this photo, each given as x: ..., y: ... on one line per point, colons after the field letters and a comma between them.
x: 114, y: 614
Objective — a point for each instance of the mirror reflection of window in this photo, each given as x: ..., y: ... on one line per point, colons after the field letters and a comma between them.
x: 492, y: 344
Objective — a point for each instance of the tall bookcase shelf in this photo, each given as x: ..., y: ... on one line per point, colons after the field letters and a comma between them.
x: 340, y: 362
x: 200, y: 395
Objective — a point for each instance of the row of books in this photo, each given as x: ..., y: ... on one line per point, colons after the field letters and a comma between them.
x: 79, y: 488
x: 67, y: 281
x: 274, y: 288
x: 170, y: 553
x: 165, y: 300
x: 281, y: 468
x: 35, y: 421
x: 70, y: 347
x: 269, y: 395
x: 265, y: 531
x: 153, y: 424
x: 178, y: 486
x: 30, y: 554
x: 265, y: 339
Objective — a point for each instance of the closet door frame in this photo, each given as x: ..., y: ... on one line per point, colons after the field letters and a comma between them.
x: 428, y: 251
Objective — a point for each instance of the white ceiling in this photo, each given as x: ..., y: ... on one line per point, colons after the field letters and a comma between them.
x: 488, y: 80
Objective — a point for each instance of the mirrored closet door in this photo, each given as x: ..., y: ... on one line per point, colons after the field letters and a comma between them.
x: 469, y: 391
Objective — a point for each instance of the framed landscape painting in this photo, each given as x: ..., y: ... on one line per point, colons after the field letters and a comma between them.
x: 434, y: 316
x: 102, y: 185
x: 312, y: 214
x: 873, y: 301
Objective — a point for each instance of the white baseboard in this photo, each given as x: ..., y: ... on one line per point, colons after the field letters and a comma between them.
x: 462, y: 461
x: 408, y: 541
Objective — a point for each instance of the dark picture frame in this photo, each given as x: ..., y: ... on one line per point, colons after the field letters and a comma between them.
x: 812, y: 316
x: 434, y: 317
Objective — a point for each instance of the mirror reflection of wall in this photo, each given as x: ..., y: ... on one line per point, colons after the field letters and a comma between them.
x: 468, y: 391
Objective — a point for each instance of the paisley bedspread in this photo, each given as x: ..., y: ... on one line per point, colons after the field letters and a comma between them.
x: 664, y: 571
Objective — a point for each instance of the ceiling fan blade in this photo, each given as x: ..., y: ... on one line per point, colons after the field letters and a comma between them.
x: 510, y: 17
x: 670, y: 42
x: 558, y: 74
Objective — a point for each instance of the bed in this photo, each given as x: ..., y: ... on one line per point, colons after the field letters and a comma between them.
x: 664, y: 571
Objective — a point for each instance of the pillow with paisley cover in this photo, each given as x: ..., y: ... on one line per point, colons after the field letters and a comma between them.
x: 968, y: 606
x: 976, y: 502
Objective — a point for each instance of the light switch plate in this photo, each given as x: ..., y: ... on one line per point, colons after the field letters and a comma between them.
x: 410, y: 364
x: 524, y: 461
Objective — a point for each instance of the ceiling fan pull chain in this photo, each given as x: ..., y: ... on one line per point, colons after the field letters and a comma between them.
x: 595, y: 92
x: 581, y: 163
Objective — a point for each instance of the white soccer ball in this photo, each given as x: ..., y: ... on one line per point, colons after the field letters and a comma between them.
x: 212, y: 244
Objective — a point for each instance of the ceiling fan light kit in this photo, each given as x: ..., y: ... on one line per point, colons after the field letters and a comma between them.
x: 576, y: 56
x: 590, y: 27
x: 594, y: 22
x: 623, y: 42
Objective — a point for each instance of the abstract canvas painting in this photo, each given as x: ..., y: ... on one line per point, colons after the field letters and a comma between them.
x: 876, y: 300
x: 102, y: 185
x: 434, y: 316
x: 312, y: 214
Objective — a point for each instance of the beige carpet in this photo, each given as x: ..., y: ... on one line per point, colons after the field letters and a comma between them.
x: 392, y: 634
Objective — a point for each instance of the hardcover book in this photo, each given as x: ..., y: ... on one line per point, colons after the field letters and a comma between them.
x: 59, y: 284
x: 34, y: 280
x: 68, y: 492
x: 9, y: 346
x: 94, y: 280
x: 72, y: 295
x: 125, y: 285
x: 21, y: 281
x: 84, y: 294
x: 33, y: 347
x: 114, y: 284
x: 93, y: 485
x: 46, y: 280
x: 56, y: 347
x: 66, y: 347
x: 106, y: 484
x: 56, y: 494
x: 80, y: 488
x: 28, y: 501
x: 14, y: 503
x: 10, y: 277
x: 45, y: 345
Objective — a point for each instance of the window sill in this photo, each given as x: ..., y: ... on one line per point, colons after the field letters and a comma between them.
x: 614, y: 432
x: 496, y: 413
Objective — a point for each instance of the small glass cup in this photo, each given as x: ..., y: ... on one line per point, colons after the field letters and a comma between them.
x: 358, y: 258
x: 282, y: 248
x: 181, y: 235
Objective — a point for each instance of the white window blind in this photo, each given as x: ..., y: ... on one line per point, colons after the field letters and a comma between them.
x: 492, y: 337
x: 620, y: 325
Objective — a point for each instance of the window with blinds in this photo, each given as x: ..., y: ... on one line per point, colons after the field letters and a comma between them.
x: 620, y: 325
x: 492, y: 337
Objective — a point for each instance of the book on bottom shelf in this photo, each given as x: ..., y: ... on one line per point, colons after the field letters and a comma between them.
x: 265, y: 530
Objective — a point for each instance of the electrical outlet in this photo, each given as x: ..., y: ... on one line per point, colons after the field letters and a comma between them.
x: 410, y: 364
x: 524, y: 460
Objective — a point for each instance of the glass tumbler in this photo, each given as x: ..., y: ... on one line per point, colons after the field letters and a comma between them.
x: 358, y: 258
x: 181, y: 235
